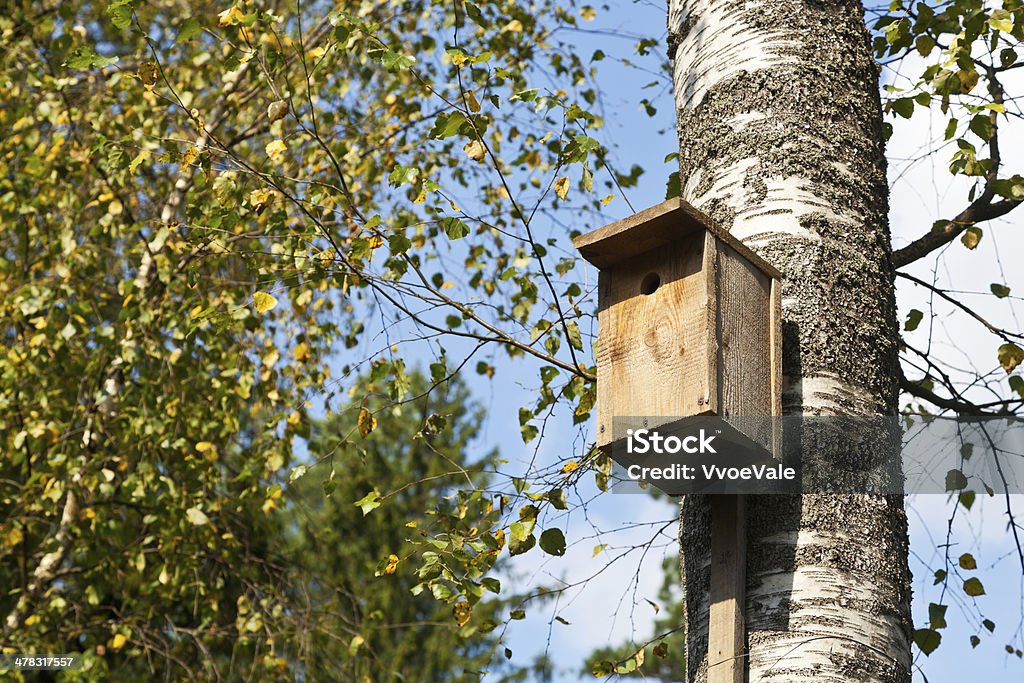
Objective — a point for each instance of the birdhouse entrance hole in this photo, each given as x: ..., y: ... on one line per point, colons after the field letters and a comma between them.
x: 650, y: 284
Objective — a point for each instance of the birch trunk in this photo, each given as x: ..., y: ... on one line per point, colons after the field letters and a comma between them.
x: 781, y: 142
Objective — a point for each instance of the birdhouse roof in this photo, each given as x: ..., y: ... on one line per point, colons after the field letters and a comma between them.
x: 667, y: 223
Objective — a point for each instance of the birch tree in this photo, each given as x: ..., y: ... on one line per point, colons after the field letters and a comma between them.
x: 781, y: 139
x: 780, y: 133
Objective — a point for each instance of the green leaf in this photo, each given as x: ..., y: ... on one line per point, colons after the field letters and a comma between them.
x: 955, y: 480
x: 553, y: 542
x: 575, y: 340
x: 937, y: 616
x: 989, y: 624
x: 672, y: 187
x: 982, y: 126
x: 371, y: 501
x: 190, y: 28
x: 557, y: 499
x: 951, y: 129
x: 516, y: 547
x: 924, y: 44
x: 454, y: 228
x: 518, y: 614
x: 968, y: 562
x: 403, y: 175
x: 393, y: 61
x: 914, y: 318
x: 927, y: 639
x: 120, y: 14
x: 1017, y: 385
x: 904, y: 107
x: 967, y: 499
x: 83, y: 58
x: 1001, y: 291
x: 973, y: 587
x: 520, y: 531
x: 446, y: 125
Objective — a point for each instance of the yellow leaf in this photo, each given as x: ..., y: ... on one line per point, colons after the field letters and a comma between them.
x: 148, y: 74
x: 231, y: 15
x: 562, y: 187
x: 317, y: 53
x: 608, y: 200
x: 588, y: 13
x: 190, y: 155
x: 392, y: 564
x: 115, y: 208
x: 259, y: 199
x: 471, y: 102
x: 276, y: 149
x: 117, y: 642
x: 12, y: 537
x: 301, y: 352
x: 197, y: 516
x: 971, y: 237
x: 277, y: 110
x: 514, y: 26
x: 32, y: 620
x: 1010, y: 356
x: 264, y: 302
x: 462, y: 611
x: 570, y: 467
x: 366, y: 422
x: 207, y: 447
x: 475, y: 150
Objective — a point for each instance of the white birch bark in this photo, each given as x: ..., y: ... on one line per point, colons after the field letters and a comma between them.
x: 781, y: 141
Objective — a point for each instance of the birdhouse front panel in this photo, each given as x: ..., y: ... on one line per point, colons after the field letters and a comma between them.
x: 654, y: 349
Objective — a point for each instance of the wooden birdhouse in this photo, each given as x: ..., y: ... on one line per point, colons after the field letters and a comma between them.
x: 688, y: 319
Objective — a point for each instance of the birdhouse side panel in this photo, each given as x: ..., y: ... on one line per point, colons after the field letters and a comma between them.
x: 746, y: 336
x: 653, y: 336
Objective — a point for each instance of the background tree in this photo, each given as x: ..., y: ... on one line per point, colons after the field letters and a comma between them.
x: 392, y: 628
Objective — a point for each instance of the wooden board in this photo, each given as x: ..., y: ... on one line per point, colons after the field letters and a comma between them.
x: 743, y: 363
x: 654, y: 350
x: 726, y: 623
